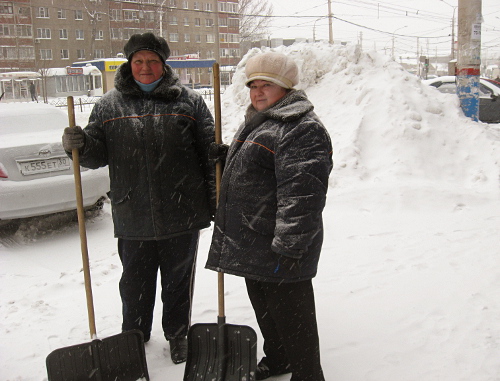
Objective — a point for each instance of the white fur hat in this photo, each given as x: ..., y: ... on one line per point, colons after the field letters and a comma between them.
x: 273, y: 67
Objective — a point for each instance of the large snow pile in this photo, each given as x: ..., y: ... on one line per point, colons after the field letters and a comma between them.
x: 385, y: 124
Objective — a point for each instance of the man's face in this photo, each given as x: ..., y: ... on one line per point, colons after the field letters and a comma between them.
x: 264, y: 94
x: 147, y: 66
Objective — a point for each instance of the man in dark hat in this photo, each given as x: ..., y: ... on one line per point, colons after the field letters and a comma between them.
x: 154, y: 134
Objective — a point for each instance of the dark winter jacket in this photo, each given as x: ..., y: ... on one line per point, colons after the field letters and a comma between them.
x: 268, y: 225
x: 156, y: 146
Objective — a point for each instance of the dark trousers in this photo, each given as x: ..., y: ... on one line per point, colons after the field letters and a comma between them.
x: 176, y: 259
x: 286, y: 315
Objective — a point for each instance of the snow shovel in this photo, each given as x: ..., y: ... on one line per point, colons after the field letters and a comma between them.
x: 115, y: 358
x: 220, y: 352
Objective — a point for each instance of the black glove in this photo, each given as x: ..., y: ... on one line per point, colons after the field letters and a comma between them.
x: 72, y: 138
x: 218, y: 152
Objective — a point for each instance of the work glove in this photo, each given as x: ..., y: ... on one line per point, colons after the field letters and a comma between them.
x: 218, y: 152
x: 72, y: 138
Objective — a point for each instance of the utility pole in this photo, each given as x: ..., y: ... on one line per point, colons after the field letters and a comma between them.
x: 330, y: 28
x: 453, y: 34
x: 469, y: 56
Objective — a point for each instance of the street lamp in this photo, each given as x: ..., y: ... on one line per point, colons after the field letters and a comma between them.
x: 161, y: 17
x: 393, y: 33
x: 314, y: 27
x: 452, y: 30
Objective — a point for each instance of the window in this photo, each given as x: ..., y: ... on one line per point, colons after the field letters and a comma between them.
x: 197, y: 22
x: 43, y: 33
x: 63, y: 34
x: 26, y: 53
x: 45, y: 54
x: 115, y: 34
x: 79, y: 33
x: 209, y: 22
x: 228, y: 7
x: 24, y: 31
x: 64, y: 54
x: 172, y: 4
x: 98, y: 53
x: 149, y: 16
x: 6, y: 9
x: 196, y: 6
x: 99, y: 35
x: 186, y: 21
x: 42, y: 13
x: 24, y: 11
x: 78, y: 15
x: 129, y: 15
x: 233, y: 37
x: 173, y: 20
x: 210, y: 54
x: 198, y: 38
x: 8, y: 53
x: 187, y: 37
x: 174, y: 37
x: 210, y: 38
x: 234, y: 23
x: 128, y: 32
x: 61, y: 13
x: 223, y: 21
x: 7, y: 30
x: 209, y: 7
x: 185, y: 4
x: 80, y: 54
x: 116, y: 14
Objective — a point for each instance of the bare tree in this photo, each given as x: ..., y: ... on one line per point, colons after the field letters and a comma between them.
x: 255, y: 17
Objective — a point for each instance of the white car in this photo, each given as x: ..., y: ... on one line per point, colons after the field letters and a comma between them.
x: 36, y: 175
x: 489, y: 96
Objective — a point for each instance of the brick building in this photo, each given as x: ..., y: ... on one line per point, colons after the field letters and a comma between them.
x: 39, y: 34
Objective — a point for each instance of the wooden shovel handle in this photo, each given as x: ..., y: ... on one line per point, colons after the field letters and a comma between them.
x: 81, y: 225
x: 218, y: 173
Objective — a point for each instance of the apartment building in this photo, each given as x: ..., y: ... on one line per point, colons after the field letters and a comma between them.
x: 38, y: 34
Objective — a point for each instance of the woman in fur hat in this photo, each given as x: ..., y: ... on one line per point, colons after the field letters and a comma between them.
x: 268, y: 226
x: 154, y: 135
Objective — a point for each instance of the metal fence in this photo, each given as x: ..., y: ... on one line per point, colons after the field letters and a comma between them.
x: 84, y: 102
x: 80, y: 102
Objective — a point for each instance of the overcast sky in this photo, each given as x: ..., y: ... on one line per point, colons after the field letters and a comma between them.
x: 427, y: 22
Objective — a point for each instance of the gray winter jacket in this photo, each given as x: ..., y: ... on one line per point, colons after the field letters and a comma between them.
x: 156, y: 146
x: 268, y: 225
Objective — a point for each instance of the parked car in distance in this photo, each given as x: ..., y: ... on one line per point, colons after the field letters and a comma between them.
x: 489, y: 96
x: 36, y: 175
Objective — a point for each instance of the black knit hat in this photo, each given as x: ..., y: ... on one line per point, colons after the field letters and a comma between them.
x: 147, y: 41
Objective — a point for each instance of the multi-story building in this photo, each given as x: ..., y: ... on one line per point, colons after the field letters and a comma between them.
x: 38, y: 34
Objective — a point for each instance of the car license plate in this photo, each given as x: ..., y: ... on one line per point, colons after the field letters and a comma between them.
x: 53, y: 164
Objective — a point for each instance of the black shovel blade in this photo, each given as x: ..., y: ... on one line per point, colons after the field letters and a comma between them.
x: 230, y: 355
x: 120, y: 357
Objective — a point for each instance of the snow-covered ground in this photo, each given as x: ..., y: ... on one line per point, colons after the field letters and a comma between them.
x: 408, y: 287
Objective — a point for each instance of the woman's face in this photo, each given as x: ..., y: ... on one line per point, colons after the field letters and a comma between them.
x: 264, y: 94
x: 147, y: 66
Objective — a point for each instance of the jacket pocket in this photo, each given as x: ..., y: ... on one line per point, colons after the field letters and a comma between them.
x: 259, y: 224
x: 119, y: 195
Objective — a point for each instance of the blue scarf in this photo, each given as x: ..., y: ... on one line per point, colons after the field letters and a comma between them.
x: 149, y: 87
